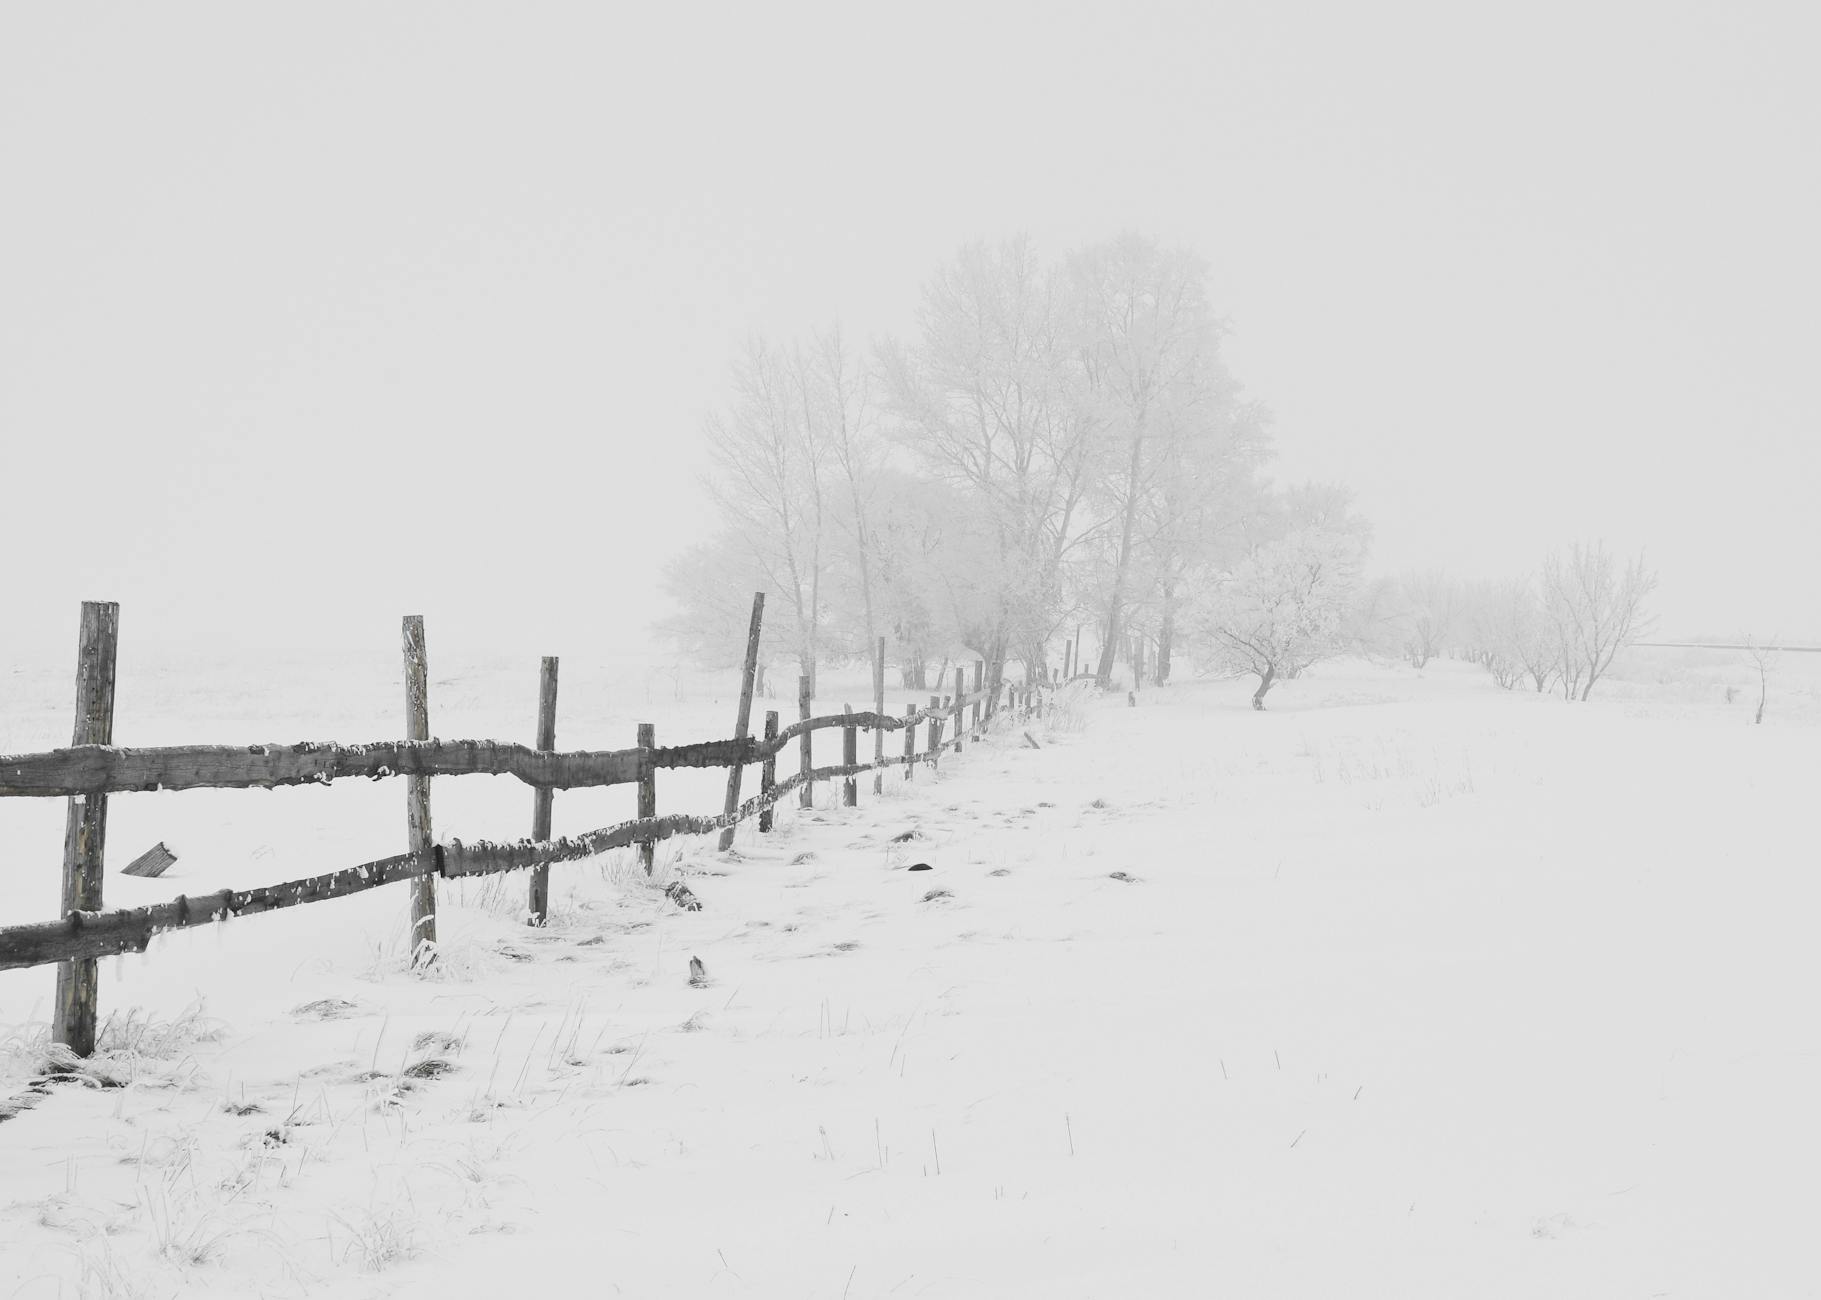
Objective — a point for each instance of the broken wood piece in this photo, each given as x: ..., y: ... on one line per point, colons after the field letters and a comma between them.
x: 1031, y: 740
x: 680, y: 894
x: 152, y: 863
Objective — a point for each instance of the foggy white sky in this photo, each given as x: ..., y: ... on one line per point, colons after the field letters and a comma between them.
x: 315, y: 315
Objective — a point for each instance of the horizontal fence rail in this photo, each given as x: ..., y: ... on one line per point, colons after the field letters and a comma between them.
x: 106, y: 769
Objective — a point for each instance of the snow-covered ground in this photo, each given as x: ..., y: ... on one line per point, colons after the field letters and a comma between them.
x: 1407, y: 987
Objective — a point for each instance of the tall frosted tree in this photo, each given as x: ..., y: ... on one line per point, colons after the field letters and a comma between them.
x: 991, y: 400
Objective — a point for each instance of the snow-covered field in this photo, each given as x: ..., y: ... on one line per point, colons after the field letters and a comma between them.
x: 1407, y: 987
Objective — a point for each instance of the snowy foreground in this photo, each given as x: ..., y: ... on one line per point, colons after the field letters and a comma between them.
x: 1408, y: 987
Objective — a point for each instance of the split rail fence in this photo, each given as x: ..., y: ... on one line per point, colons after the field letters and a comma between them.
x: 92, y: 769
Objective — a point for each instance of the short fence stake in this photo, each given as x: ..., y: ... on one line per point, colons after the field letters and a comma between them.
x: 648, y: 792
x: 910, y: 740
x: 879, y: 709
x: 741, y: 726
x: 417, y: 791
x: 768, y: 770
x: 805, y: 796
x: 77, y: 1009
x: 543, y: 797
x: 850, y: 757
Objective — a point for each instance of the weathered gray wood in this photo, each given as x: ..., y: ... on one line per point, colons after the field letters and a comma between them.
x: 807, y: 796
x: 76, y: 1010
x: 97, y: 934
x: 417, y: 791
x: 879, y: 709
x: 87, y: 934
x: 743, y: 719
x: 96, y: 769
x: 648, y: 796
x: 979, y: 677
x: 910, y: 740
x: 151, y: 864
x: 960, y: 707
x: 935, y: 730
x: 850, y: 757
x: 1068, y: 657
x: 543, y: 798
x: 768, y: 770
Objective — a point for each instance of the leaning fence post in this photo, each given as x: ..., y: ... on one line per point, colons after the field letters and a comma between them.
x: 979, y: 681
x: 648, y: 792
x: 768, y: 770
x: 544, y: 796
x: 417, y: 791
x: 910, y: 740
x: 879, y: 710
x: 741, y: 728
x: 850, y: 757
x: 806, y: 796
x: 77, y: 1009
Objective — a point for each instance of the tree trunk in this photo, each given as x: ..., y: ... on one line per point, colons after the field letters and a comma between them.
x: 1264, y: 684
x: 1116, y: 601
x: 1166, y: 635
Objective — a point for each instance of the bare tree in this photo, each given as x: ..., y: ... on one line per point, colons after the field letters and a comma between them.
x: 1763, y: 658
x: 990, y: 399
x: 1594, y: 609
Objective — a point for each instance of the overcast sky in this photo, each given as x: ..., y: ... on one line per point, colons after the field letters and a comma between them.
x: 313, y: 315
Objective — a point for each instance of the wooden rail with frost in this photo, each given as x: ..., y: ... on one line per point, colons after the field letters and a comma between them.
x: 87, y: 769
x: 105, y: 769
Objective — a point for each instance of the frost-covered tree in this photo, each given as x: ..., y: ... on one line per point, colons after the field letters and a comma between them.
x: 711, y: 585
x: 1594, y: 609
x: 1425, y: 604
x: 990, y: 401
x: 1283, y: 608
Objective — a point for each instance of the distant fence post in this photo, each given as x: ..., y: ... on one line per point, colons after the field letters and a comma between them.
x: 805, y: 796
x: 979, y: 682
x: 77, y: 1009
x: 544, y: 796
x: 768, y: 770
x: 960, y: 707
x: 850, y: 756
x: 648, y: 791
x: 879, y: 708
x: 417, y: 791
x: 935, y: 730
x: 910, y: 740
x: 741, y: 727
x: 1068, y: 655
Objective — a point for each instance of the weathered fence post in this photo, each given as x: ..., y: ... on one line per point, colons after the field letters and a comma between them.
x: 768, y: 770
x: 879, y: 709
x: 741, y: 726
x: 544, y: 797
x: 417, y: 791
x: 850, y: 757
x: 1068, y: 655
x: 979, y: 683
x: 648, y: 792
x: 910, y: 740
x: 935, y: 730
x: 805, y: 796
x: 960, y: 707
x: 77, y: 1009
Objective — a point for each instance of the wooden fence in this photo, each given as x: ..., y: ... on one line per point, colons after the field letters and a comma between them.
x: 92, y: 769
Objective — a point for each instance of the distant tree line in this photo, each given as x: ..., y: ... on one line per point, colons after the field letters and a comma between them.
x: 1059, y: 450
x: 1059, y: 454
x: 1560, y: 628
